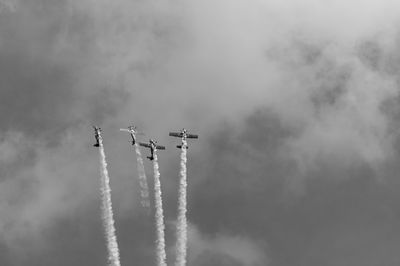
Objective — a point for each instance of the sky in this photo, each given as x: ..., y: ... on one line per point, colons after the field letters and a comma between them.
x: 296, y: 104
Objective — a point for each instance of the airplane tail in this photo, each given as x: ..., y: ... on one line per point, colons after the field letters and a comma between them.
x: 96, y: 145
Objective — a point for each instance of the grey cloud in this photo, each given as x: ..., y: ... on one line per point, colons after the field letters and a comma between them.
x: 45, y: 52
x: 295, y: 104
x: 223, y: 250
x: 344, y: 207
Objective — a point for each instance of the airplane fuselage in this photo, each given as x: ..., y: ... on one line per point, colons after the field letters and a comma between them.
x: 97, y: 136
x: 133, y: 138
x: 132, y: 131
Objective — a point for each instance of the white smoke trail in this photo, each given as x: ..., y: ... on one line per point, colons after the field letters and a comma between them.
x: 144, y: 189
x: 181, y: 244
x: 160, y: 242
x: 107, y: 212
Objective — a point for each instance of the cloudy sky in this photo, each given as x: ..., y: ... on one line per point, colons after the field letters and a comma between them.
x: 296, y: 104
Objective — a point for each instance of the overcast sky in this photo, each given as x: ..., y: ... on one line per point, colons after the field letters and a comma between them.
x: 296, y: 104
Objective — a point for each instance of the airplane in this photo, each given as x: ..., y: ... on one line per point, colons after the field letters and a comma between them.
x: 97, y: 131
x: 153, y: 146
x: 184, y: 136
x: 132, y: 130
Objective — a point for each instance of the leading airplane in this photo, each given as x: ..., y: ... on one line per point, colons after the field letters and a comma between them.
x: 153, y: 146
x: 184, y: 136
x: 132, y: 130
x: 97, y: 131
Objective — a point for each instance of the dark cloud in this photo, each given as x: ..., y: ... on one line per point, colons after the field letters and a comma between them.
x: 42, y: 77
x: 343, y: 218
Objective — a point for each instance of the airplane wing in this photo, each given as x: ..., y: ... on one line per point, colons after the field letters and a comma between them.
x: 160, y: 147
x: 144, y: 145
x: 191, y: 136
x: 175, y: 134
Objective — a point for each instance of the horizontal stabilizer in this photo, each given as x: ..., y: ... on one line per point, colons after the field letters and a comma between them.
x: 180, y: 147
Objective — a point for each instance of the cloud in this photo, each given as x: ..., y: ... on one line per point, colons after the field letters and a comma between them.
x: 300, y: 96
x: 304, y: 60
x: 47, y: 72
x: 8, y: 6
x: 223, y: 250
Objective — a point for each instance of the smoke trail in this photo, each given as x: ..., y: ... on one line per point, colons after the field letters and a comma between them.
x: 160, y: 242
x: 144, y: 189
x: 107, y: 212
x: 181, y: 245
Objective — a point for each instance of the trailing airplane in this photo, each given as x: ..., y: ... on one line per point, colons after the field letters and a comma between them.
x: 97, y: 131
x: 184, y: 136
x: 132, y: 130
x: 153, y: 147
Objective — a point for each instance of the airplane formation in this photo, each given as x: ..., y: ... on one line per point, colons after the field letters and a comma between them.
x: 152, y: 145
x: 107, y: 212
